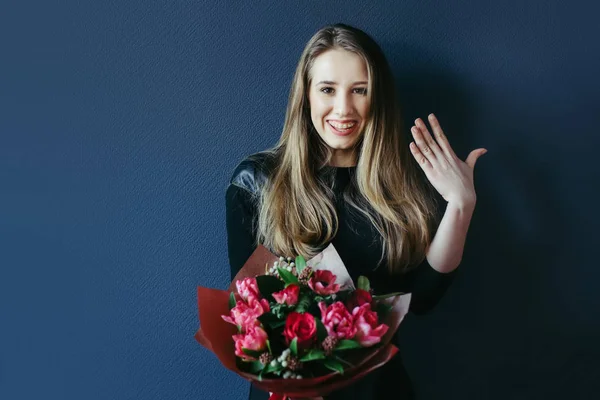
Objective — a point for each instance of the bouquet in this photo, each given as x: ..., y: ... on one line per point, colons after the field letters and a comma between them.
x: 299, y: 328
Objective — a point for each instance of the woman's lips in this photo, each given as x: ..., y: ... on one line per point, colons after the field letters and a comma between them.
x: 342, y: 132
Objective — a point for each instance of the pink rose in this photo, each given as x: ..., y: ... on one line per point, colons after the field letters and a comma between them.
x: 248, y: 288
x: 368, y: 332
x: 255, y: 339
x: 244, y: 315
x: 323, y: 282
x: 358, y: 298
x: 337, y: 320
x: 288, y: 296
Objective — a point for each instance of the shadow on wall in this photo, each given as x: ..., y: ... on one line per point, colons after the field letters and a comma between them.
x: 501, y: 329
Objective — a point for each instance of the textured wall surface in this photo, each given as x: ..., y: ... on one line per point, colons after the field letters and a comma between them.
x: 120, y: 125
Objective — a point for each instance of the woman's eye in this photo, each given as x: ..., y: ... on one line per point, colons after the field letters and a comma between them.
x: 328, y: 90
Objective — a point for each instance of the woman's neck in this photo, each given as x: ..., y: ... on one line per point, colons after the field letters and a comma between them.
x: 343, y: 159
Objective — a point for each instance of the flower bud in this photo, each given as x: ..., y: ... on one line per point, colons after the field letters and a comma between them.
x: 265, y: 358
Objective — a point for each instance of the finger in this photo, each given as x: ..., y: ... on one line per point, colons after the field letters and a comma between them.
x: 420, y: 157
x: 473, y: 156
x: 422, y: 146
x: 440, y: 137
x: 429, y: 139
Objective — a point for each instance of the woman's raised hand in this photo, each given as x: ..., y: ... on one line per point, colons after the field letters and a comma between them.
x: 450, y: 176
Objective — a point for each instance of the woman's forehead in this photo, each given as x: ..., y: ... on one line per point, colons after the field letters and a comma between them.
x: 340, y: 67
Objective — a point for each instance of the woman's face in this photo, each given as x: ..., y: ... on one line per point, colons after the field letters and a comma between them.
x: 338, y: 101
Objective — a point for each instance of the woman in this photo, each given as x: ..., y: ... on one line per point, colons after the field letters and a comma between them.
x: 342, y: 173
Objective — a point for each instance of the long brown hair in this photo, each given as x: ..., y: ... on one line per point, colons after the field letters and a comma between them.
x: 297, y: 212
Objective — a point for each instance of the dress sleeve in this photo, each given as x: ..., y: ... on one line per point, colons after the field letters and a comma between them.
x: 240, y: 220
x: 428, y: 286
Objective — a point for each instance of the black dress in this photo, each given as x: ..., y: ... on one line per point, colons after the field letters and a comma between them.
x: 359, y: 246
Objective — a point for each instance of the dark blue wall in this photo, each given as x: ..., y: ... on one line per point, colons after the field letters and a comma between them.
x: 121, y: 123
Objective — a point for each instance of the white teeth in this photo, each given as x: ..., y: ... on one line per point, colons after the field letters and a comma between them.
x: 342, y: 126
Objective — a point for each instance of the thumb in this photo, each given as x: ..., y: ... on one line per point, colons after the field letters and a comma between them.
x: 473, y: 156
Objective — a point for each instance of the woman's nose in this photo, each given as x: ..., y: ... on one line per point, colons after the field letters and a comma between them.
x: 343, y: 105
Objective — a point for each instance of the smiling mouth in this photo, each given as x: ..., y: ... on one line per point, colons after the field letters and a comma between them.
x: 342, y: 125
x: 342, y: 129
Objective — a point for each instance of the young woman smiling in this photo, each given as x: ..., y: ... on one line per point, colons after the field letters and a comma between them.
x: 343, y: 172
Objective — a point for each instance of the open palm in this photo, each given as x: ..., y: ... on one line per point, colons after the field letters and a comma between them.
x: 450, y: 176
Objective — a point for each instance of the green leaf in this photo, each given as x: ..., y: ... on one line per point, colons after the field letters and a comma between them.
x: 321, y: 330
x: 334, y: 365
x: 268, y: 284
x: 232, y: 301
x: 343, y: 295
x: 303, y: 303
x: 382, y: 309
x: 275, y: 325
x: 287, y: 276
x: 255, y: 366
x: 300, y: 264
x: 346, y: 344
x: 269, y: 368
x: 363, y: 283
x: 251, y: 353
x: 269, y: 347
x: 294, y: 346
x: 314, y: 354
x: 267, y: 318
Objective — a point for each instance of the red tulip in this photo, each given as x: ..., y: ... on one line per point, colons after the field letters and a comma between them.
x: 358, y: 298
x: 368, y: 332
x: 288, y: 296
x: 337, y: 320
x: 323, y: 282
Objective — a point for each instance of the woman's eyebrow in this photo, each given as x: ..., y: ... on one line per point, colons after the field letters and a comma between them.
x: 335, y: 83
